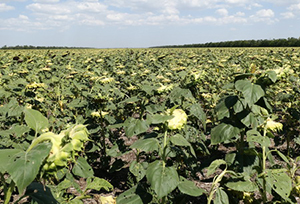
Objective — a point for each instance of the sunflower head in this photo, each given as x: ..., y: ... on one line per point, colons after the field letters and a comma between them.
x: 179, y: 119
x: 273, y: 126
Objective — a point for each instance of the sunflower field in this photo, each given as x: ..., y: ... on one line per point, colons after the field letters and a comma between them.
x: 136, y: 126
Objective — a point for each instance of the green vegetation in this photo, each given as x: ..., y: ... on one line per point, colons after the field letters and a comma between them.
x: 150, y: 125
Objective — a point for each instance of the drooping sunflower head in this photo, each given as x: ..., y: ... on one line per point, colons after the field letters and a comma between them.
x: 273, y: 126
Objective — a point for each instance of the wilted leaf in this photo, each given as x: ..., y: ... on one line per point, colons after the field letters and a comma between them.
x: 214, y: 165
x: 243, y: 186
x: 82, y: 168
x: 98, y: 184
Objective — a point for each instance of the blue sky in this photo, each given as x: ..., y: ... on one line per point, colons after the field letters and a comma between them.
x: 144, y: 23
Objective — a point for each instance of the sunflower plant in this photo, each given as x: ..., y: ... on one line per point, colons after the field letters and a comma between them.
x: 166, y: 143
x: 49, y: 158
x: 245, y: 119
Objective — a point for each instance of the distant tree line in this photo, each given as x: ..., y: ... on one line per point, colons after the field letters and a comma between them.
x: 41, y: 47
x: 289, y: 42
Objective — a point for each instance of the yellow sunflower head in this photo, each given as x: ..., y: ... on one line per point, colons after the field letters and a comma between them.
x: 273, y: 126
x: 179, y: 119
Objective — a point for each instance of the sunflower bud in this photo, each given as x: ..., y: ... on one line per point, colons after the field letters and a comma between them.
x: 77, y: 144
x: 61, y: 158
x: 62, y: 150
x: 49, y: 167
x: 79, y: 132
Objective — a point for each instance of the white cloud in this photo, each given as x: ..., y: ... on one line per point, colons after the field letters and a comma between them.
x: 254, y: 5
x: 12, y: 0
x: 169, y: 7
x: 264, y: 15
x: 240, y: 14
x: 282, y: 2
x: 115, y: 17
x: 228, y: 19
x: 92, y: 7
x: 49, y: 8
x: 46, y: 1
x: 61, y: 17
x: 288, y: 15
x: 216, y: 3
x: 198, y: 3
x: 142, y: 6
x: 21, y: 23
x: 163, y: 6
x: 294, y: 7
x: 55, y: 13
x: 210, y: 19
x: 219, y: 21
x: 232, y: 19
x: 125, y: 18
x: 88, y: 15
x: 207, y: 19
x: 23, y: 17
x: 92, y: 22
x: 222, y: 12
x: 4, y: 7
x: 237, y: 1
